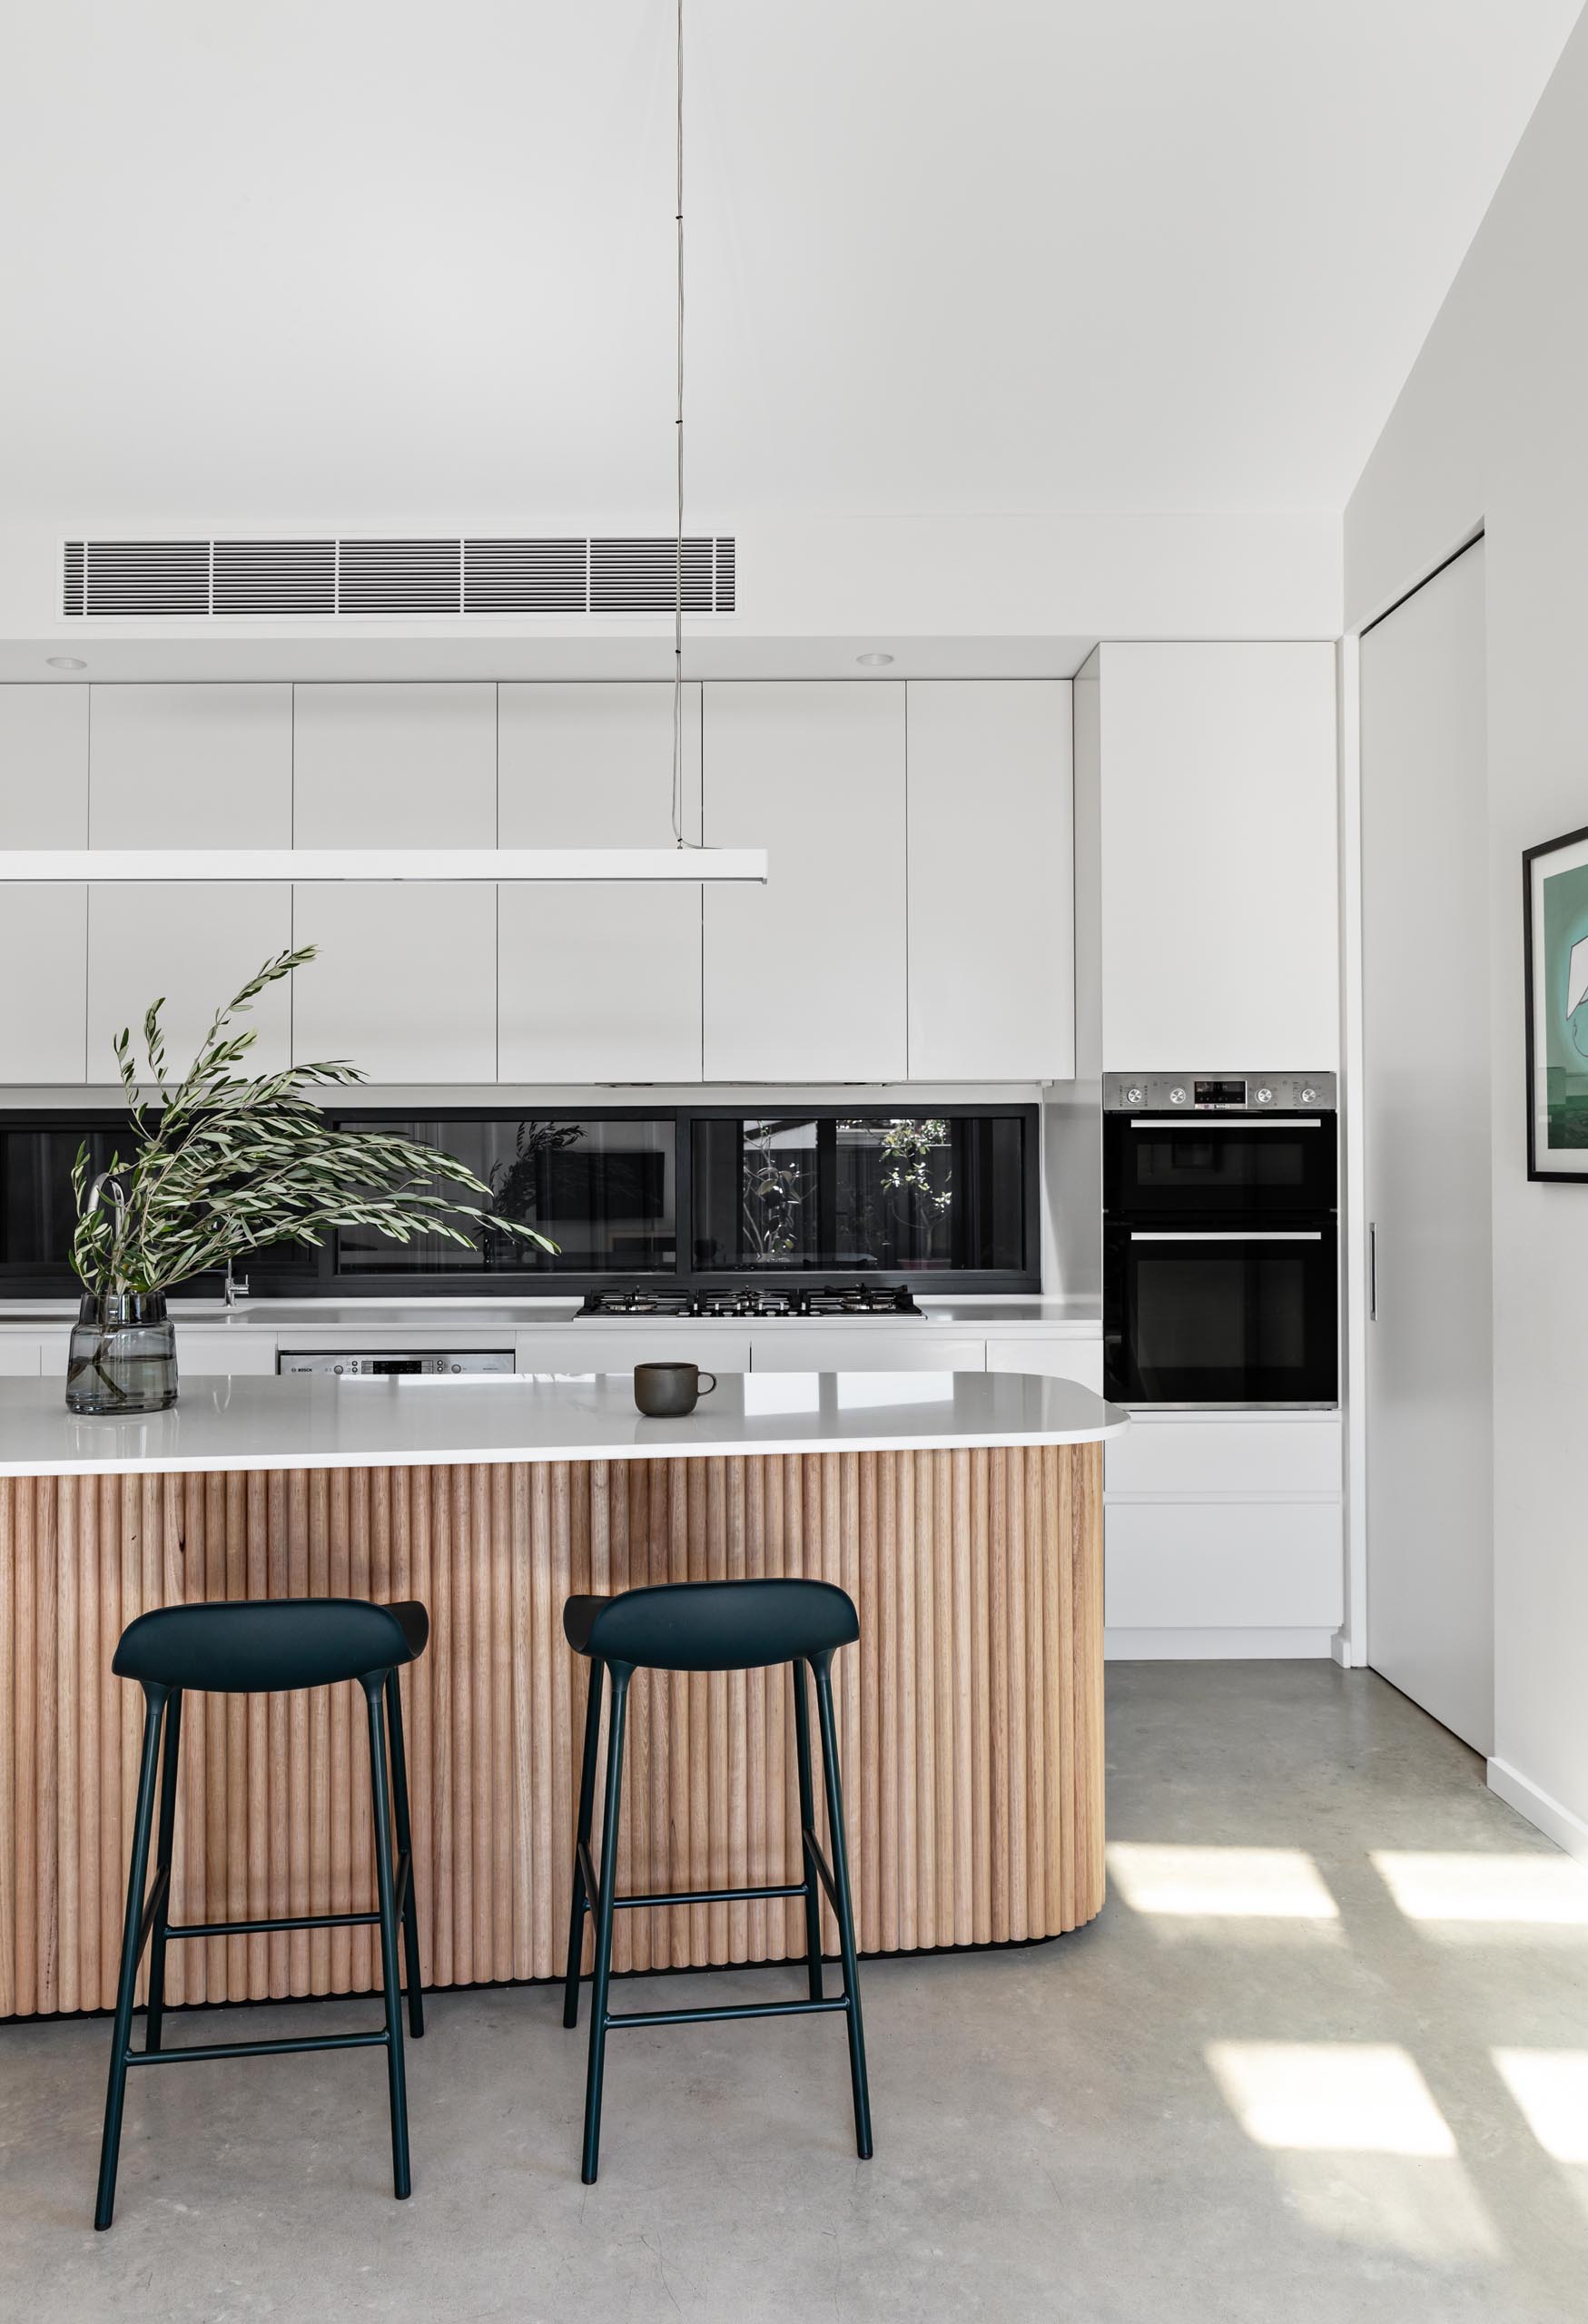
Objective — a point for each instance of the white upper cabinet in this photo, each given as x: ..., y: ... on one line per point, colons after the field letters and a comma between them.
x: 191, y: 943
x: 44, y: 766
x: 43, y: 803
x: 405, y: 984
x: 190, y: 766
x: 599, y: 981
x: 1215, y: 824
x: 805, y: 977
x: 991, y: 925
x: 394, y: 766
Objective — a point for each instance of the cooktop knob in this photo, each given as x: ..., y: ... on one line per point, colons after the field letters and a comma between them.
x: 1177, y: 1095
x: 1265, y: 1095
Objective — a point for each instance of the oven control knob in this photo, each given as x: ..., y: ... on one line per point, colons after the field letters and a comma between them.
x: 335, y: 1367
x: 1135, y: 1094
x: 1309, y: 1094
x: 1177, y: 1095
x: 1265, y: 1095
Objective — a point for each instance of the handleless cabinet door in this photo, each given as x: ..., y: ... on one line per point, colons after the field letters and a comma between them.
x: 394, y: 766
x: 192, y: 944
x: 597, y: 981
x: 991, y: 880
x: 190, y: 766
x: 405, y: 981
x: 864, y: 1347
x: 187, y: 766
x: 43, y: 803
x: 805, y: 977
x: 44, y: 766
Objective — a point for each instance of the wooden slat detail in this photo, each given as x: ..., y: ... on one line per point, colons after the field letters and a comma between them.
x: 970, y: 1716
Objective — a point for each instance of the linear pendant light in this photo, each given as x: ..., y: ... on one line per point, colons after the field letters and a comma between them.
x: 682, y: 862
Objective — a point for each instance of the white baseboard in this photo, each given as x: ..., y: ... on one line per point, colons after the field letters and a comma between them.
x: 1341, y: 1648
x: 1215, y: 1645
x: 1566, y: 1830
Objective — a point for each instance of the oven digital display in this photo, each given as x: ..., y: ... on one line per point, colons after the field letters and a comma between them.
x: 1218, y: 1093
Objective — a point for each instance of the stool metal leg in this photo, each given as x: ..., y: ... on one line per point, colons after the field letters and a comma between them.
x: 580, y: 1904
x: 374, y: 1689
x: 163, y: 1852
x: 600, y: 1982
x: 410, y: 1911
x: 132, y: 1945
x: 822, y: 1667
x: 802, y: 1711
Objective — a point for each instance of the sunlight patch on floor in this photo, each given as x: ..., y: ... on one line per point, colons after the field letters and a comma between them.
x: 1359, y: 2144
x: 1551, y: 2089
x: 1525, y: 1890
x: 1267, y: 1883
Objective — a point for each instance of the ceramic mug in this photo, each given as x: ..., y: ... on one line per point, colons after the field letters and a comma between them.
x: 669, y: 1391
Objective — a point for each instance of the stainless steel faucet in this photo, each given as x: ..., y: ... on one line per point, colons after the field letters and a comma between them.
x: 233, y: 1286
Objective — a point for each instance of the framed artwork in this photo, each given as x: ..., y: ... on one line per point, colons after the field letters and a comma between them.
x: 1555, y: 917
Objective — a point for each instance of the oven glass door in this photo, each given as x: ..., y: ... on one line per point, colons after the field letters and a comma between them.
x: 1210, y: 1166
x: 1205, y: 1317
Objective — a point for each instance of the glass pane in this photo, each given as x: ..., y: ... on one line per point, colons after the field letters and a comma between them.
x: 37, y: 1213
x: 757, y: 1194
x: 603, y: 1191
x: 859, y: 1194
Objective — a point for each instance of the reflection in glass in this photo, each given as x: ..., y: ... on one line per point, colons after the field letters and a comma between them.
x: 602, y: 1190
x: 859, y: 1193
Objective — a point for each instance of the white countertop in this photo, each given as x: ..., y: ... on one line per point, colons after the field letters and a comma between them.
x: 312, y: 1422
x: 429, y: 1321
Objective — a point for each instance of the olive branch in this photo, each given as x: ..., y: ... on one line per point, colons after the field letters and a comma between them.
x: 225, y: 1162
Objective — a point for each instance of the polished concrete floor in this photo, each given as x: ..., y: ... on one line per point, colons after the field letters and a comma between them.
x: 1323, y: 2057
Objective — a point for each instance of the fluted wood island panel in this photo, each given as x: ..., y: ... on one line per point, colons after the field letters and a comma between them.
x: 970, y: 1713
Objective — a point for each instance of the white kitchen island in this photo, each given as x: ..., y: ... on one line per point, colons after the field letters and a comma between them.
x: 963, y: 1512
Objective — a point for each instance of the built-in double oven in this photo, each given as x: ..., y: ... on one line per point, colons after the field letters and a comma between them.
x: 1220, y: 1239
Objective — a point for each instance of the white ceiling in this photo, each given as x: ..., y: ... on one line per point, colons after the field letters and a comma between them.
x: 386, y: 262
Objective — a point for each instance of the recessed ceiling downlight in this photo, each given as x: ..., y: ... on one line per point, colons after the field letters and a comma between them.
x: 65, y: 662
x: 874, y: 661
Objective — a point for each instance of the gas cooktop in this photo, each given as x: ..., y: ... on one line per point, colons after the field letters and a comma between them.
x: 750, y: 1301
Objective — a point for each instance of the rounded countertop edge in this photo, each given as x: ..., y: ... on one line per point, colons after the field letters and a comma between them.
x: 520, y: 1456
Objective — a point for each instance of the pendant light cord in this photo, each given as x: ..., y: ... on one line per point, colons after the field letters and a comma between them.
x: 678, y: 439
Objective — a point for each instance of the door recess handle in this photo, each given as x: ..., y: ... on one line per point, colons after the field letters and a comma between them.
x: 1372, y: 1273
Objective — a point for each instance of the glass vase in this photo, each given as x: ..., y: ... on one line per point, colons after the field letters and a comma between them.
x: 123, y: 1356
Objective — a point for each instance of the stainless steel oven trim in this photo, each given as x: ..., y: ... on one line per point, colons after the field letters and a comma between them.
x: 1225, y: 1234
x: 1225, y: 1122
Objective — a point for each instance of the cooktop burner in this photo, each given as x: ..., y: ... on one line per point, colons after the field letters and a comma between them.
x: 751, y: 1301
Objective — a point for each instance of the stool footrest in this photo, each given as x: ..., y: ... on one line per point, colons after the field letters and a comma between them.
x: 716, y: 2017
x: 265, y: 1928
x: 184, y: 2056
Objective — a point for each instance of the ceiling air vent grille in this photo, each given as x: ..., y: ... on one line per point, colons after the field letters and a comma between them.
x: 365, y: 580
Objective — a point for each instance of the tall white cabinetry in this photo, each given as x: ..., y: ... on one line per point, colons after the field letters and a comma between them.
x: 1206, y: 858
x: 187, y: 766
x: 805, y: 977
x: 406, y: 980
x: 599, y: 981
x: 43, y: 949
x: 991, y: 973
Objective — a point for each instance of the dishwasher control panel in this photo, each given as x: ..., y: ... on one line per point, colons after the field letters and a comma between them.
x: 397, y: 1363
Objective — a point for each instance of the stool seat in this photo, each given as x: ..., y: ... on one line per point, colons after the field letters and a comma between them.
x: 713, y: 1625
x: 257, y: 1646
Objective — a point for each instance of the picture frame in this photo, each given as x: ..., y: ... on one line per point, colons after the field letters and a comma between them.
x: 1554, y: 921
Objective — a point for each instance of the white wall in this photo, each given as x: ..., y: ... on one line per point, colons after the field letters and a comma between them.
x: 1491, y: 428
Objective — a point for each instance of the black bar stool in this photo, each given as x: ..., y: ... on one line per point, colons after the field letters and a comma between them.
x: 711, y: 1626
x: 259, y: 1647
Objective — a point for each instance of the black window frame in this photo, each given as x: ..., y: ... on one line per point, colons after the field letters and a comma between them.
x: 318, y: 1276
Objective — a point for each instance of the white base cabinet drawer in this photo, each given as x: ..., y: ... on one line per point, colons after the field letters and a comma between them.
x: 1275, y: 1565
x: 1225, y: 1456
x: 618, y: 1347
x: 860, y: 1347
x: 239, y: 1352
x: 19, y: 1359
x: 1078, y: 1359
